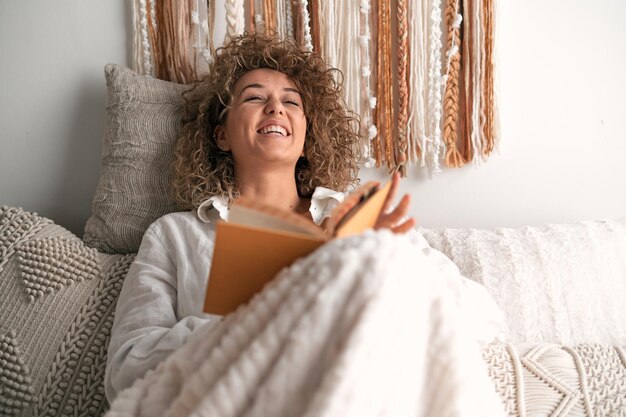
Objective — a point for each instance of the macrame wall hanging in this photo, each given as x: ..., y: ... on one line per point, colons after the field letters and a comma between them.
x: 426, y: 97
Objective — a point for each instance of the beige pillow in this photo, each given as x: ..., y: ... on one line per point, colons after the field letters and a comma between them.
x: 142, y: 121
x: 57, y: 300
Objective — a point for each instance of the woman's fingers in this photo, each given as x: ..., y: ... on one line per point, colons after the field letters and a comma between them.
x: 397, y: 220
x: 395, y: 183
x: 400, y: 211
x: 405, y: 226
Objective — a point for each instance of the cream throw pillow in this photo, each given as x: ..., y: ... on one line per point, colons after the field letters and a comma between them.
x: 142, y: 121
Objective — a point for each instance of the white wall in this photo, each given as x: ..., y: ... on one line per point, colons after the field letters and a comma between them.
x: 562, y: 114
x: 52, y: 101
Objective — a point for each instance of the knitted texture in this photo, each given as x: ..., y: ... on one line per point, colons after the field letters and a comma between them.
x: 559, y: 283
x: 143, y: 120
x: 605, y: 368
x: 17, y: 226
x: 53, y: 350
x: 52, y: 263
x: 15, y: 383
x: 365, y: 326
x: 585, y: 380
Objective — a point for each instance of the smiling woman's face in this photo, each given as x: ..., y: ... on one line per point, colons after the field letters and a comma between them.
x: 265, y: 122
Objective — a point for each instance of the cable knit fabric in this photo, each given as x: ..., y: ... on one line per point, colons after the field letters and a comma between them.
x: 560, y: 283
x: 57, y: 299
x: 552, y: 380
x: 370, y: 325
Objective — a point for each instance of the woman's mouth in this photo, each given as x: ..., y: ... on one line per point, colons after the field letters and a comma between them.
x: 273, y: 130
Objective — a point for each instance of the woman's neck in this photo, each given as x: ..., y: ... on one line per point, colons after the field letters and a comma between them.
x: 272, y: 188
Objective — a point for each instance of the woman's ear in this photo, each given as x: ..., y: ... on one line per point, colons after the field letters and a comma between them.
x: 220, y: 138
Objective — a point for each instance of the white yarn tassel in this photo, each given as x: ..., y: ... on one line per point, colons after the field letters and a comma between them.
x: 289, y: 18
x: 281, y: 27
x: 340, y: 24
x: 137, y: 49
x: 418, y: 94
x: 234, y: 18
x: 367, y: 100
x: 434, y: 141
x: 146, y: 47
x: 477, y: 132
x: 306, y: 19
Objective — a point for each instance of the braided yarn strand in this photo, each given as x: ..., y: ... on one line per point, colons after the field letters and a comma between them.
x: 453, y: 158
x: 234, y: 18
x: 403, y: 89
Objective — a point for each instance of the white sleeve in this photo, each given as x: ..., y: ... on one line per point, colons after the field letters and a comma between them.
x: 146, y: 328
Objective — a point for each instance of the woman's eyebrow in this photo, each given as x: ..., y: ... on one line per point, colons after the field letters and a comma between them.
x: 254, y: 85
x: 257, y: 85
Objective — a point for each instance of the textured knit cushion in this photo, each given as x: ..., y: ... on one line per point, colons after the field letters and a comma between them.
x: 57, y: 299
x: 553, y: 380
x: 562, y: 283
x: 143, y: 119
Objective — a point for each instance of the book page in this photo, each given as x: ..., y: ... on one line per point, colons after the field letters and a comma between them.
x: 251, y: 213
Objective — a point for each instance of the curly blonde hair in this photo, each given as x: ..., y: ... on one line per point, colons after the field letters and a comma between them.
x: 202, y: 170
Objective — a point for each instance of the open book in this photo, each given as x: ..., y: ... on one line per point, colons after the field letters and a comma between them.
x: 259, y: 240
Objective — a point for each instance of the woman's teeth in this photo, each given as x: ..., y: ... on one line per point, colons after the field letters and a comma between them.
x: 273, y: 129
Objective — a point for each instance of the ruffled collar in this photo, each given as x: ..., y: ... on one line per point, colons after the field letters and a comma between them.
x: 323, y: 201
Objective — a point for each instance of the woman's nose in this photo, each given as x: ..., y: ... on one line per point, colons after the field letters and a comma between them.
x: 274, y: 106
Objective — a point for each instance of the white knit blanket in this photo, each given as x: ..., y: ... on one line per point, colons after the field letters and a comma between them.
x: 366, y: 326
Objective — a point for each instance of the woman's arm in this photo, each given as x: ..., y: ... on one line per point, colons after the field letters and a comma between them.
x: 147, y: 327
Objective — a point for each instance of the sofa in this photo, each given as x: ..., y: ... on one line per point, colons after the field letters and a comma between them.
x: 560, y: 286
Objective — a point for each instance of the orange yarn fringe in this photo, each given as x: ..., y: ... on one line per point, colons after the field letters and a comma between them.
x: 384, y: 109
x: 269, y: 14
x: 488, y: 82
x: 171, y: 37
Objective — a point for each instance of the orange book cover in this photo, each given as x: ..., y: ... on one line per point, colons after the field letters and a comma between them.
x: 258, y: 241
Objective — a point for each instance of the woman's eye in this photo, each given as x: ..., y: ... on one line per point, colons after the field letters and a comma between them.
x: 252, y: 98
x: 295, y: 103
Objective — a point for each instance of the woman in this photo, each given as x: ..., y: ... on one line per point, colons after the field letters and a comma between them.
x: 268, y: 123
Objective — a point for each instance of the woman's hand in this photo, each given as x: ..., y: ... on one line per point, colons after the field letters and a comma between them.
x: 395, y: 220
